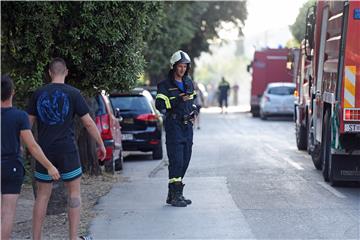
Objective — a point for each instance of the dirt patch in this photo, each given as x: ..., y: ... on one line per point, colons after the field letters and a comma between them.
x: 56, y: 226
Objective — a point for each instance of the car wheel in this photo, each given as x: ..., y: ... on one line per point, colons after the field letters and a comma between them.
x: 262, y: 115
x: 109, y: 166
x: 158, y: 152
x: 119, y: 163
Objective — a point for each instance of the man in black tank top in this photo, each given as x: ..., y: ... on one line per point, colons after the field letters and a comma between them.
x: 53, y: 107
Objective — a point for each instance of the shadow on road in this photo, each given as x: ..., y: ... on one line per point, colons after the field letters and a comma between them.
x: 344, y: 185
x: 279, y: 119
x: 138, y: 157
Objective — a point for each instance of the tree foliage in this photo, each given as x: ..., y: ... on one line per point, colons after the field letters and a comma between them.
x: 298, y: 28
x: 106, y: 43
x: 189, y: 26
x: 102, y: 42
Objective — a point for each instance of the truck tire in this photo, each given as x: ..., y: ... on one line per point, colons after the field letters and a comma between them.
x: 309, y: 136
x: 301, y: 136
x: 157, y: 153
x: 255, y: 114
x: 314, y: 149
x: 316, y: 157
x: 119, y: 163
x: 326, y: 146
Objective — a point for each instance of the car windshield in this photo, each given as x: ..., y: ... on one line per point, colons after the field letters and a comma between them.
x: 283, y: 90
x: 131, y: 103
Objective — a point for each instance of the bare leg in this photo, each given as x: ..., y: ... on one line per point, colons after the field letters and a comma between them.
x: 43, y: 194
x: 74, y: 204
x: 8, y: 207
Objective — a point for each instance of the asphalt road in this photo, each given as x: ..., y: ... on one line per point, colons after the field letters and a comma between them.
x: 247, y: 180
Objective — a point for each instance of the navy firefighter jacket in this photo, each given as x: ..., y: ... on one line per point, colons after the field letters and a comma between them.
x: 169, y: 101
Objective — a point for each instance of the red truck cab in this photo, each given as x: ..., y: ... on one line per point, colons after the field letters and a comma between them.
x: 268, y: 65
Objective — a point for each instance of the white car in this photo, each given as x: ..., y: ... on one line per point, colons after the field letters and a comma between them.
x: 277, y: 100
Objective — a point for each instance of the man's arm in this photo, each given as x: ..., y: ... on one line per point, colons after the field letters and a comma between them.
x: 35, y: 150
x: 32, y: 120
x: 163, y: 102
x: 90, y: 126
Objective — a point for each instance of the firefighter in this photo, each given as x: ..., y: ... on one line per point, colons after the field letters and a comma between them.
x: 224, y: 88
x: 175, y: 99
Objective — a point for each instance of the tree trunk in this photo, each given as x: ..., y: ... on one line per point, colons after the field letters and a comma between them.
x: 86, y: 144
x: 87, y: 152
x: 58, y: 199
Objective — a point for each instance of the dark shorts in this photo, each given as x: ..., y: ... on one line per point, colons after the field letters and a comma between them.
x: 12, y: 177
x: 68, y: 165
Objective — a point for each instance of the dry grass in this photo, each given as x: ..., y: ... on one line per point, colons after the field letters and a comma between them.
x: 56, y: 226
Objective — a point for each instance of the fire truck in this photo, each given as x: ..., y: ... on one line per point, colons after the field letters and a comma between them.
x: 303, y: 79
x: 332, y: 44
x: 268, y: 65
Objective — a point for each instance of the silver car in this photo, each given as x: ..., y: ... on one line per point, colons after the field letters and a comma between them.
x: 277, y: 100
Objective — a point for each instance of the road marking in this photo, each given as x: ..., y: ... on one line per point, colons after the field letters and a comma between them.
x: 331, y: 189
x: 288, y: 160
x: 292, y: 163
x: 271, y: 147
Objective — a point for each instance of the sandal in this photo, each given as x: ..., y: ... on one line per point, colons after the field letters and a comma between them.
x: 86, y: 237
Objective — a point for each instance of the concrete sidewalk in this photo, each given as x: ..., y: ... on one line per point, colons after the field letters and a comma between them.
x: 137, y: 210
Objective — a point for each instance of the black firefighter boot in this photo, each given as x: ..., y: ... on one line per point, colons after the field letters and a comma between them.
x: 174, y: 196
x: 188, y: 201
x: 169, y: 198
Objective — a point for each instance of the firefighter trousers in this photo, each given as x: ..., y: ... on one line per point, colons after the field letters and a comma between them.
x: 179, y: 141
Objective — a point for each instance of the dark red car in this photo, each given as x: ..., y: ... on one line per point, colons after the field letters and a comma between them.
x: 108, y: 124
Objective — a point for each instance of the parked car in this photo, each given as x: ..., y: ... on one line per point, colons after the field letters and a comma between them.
x: 277, y: 100
x: 142, y: 124
x: 108, y: 124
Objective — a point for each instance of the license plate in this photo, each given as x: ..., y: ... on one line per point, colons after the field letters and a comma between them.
x: 352, y: 127
x: 128, y: 120
x: 127, y: 137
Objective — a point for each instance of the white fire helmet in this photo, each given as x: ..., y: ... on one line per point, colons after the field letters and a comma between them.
x: 179, y: 57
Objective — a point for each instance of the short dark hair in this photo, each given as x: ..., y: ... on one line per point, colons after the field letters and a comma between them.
x: 7, y: 87
x: 57, y: 66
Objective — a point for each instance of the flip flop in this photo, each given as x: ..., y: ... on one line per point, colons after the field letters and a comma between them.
x: 86, y: 237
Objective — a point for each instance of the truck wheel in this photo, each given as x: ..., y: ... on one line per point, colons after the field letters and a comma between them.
x: 157, y: 153
x: 255, y: 113
x: 328, y: 157
x: 119, y: 163
x: 316, y: 157
x: 309, y: 136
x: 313, y: 149
x: 331, y: 171
x: 301, y: 137
x: 326, y: 146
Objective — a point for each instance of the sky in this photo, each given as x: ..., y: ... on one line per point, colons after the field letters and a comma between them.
x: 268, y: 22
